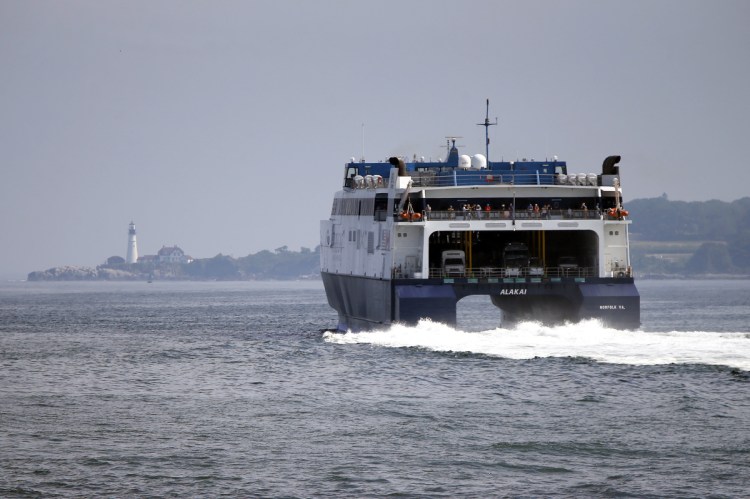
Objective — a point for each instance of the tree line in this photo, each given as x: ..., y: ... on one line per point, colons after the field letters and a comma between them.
x: 721, y: 229
x: 281, y: 263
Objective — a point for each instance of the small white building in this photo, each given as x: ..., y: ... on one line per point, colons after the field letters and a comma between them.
x: 172, y: 254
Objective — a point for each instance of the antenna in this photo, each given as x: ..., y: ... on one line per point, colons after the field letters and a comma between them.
x: 448, y: 140
x: 487, y: 126
x: 363, y: 143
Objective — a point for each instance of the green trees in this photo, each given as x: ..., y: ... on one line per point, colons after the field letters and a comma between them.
x: 279, y: 264
x: 738, y: 247
x: 658, y: 219
x: 721, y: 229
x: 710, y: 258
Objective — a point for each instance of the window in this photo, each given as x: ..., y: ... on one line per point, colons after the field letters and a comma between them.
x: 381, y: 207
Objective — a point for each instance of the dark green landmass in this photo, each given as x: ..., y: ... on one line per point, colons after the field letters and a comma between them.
x: 678, y: 238
x: 668, y: 239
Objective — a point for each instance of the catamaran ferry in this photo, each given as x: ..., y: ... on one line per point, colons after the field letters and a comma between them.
x: 408, y: 240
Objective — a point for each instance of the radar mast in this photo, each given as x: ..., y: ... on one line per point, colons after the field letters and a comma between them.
x: 487, y: 124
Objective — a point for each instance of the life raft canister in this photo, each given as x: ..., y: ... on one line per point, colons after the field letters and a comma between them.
x: 410, y: 216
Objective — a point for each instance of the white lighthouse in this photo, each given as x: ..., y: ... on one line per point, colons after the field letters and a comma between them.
x: 132, y: 246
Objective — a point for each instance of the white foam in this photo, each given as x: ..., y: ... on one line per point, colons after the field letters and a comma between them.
x: 588, y: 339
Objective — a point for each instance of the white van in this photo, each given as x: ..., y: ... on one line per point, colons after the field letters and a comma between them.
x: 454, y: 263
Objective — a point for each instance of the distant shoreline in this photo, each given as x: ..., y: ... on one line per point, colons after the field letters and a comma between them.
x: 280, y: 264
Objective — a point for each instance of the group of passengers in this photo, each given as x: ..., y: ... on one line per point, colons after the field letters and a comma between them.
x: 471, y: 211
x: 534, y: 211
x: 475, y: 211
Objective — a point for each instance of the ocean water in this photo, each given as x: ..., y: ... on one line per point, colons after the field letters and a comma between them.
x: 210, y: 389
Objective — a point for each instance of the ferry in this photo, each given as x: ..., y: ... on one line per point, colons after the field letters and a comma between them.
x: 407, y: 240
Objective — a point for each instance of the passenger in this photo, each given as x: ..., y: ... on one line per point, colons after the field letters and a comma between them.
x: 451, y: 212
x: 536, y: 210
x: 544, y: 211
x: 427, y: 211
x: 478, y: 209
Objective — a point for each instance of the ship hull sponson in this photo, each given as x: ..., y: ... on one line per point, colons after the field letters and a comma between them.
x: 362, y: 303
x: 614, y: 302
x: 365, y: 303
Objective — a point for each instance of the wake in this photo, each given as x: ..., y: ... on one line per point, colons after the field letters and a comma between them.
x: 588, y: 339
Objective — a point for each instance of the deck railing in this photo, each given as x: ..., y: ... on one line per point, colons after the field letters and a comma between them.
x: 486, y: 177
x: 501, y: 214
x: 504, y: 272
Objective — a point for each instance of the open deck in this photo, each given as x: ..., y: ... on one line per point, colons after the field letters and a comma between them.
x: 506, y: 214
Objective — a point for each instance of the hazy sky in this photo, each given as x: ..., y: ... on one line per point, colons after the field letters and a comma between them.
x: 223, y: 127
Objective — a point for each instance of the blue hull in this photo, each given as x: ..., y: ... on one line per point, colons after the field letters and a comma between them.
x: 367, y: 303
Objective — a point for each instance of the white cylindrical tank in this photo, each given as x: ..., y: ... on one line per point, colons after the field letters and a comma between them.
x: 464, y: 162
x: 581, y: 179
x: 478, y: 162
x: 562, y: 179
x: 591, y: 178
x: 359, y: 181
x: 368, y: 181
